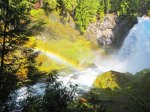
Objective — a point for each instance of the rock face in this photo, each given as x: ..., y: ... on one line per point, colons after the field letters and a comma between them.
x: 112, y: 30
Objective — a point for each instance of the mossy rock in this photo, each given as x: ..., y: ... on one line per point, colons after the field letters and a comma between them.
x: 113, y: 80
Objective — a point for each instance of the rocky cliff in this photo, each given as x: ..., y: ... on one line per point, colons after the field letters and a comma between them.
x: 111, y: 31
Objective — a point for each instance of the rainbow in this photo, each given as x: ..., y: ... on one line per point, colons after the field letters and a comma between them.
x: 58, y: 58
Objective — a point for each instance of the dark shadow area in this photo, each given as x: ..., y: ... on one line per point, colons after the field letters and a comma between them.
x: 123, y: 25
x: 133, y: 97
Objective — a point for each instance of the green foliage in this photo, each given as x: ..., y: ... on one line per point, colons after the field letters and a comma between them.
x: 115, y: 5
x: 133, y: 96
x: 85, y: 13
x: 56, y: 98
x: 69, y: 5
x: 76, y: 50
x: 140, y: 90
x: 112, y: 80
x: 37, y: 20
x: 14, y: 21
x: 101, y: 10
x: 78, y: 53
x: 149, y: 13
x: 51, y: 4
x: 142, y: 83
x: 127, y: 7
x: 73, y: 51
x: 13, y: 15
x: 107, y: 6
x: 83, y: 105
x: 15, y: 58
x: 86, y: 10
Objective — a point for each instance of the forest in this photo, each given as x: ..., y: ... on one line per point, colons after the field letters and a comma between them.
x: 74, y: 55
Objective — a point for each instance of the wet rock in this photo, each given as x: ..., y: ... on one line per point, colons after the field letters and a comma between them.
x: 112, y: 30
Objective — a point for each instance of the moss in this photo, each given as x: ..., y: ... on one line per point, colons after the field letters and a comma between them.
x: 113, y: 80
x: 131, y: 95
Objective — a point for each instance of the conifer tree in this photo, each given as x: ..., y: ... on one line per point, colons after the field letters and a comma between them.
x: 13, y: 26
x: 85, y: 13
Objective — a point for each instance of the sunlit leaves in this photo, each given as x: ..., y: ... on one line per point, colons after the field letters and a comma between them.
x: 85, y: 13
x: 51, y: 4
x: 69, y: 4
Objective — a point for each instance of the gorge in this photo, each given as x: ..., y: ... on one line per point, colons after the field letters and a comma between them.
x: 133, y: 56
x: 74, y: 55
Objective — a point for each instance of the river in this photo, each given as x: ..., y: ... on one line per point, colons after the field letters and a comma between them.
x: 133, y: 56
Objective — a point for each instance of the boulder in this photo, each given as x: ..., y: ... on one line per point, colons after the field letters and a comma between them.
x: 113, y: 80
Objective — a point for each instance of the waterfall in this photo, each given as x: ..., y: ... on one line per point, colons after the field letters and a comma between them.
x: 136, y: 47
x: 133, y: 56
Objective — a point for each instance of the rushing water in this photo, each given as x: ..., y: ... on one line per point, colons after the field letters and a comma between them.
x: 132, y: 57
x: 136, y: 48
x: 134, y: 54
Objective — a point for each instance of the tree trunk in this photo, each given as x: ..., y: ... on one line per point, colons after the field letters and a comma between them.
x: 3, y: 53
x: 4, y: 39
x: 41, y: 3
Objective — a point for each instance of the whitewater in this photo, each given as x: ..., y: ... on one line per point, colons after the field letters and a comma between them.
x: 133, y: 56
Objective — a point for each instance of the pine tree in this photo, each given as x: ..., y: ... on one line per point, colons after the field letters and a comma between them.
x: 13, y: 20
x: 13, y: 25
x: 85, y: 13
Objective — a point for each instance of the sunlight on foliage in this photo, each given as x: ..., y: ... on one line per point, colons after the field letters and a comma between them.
x: 77, y: 53
x: 113, y: 80
x: 46, y: 64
